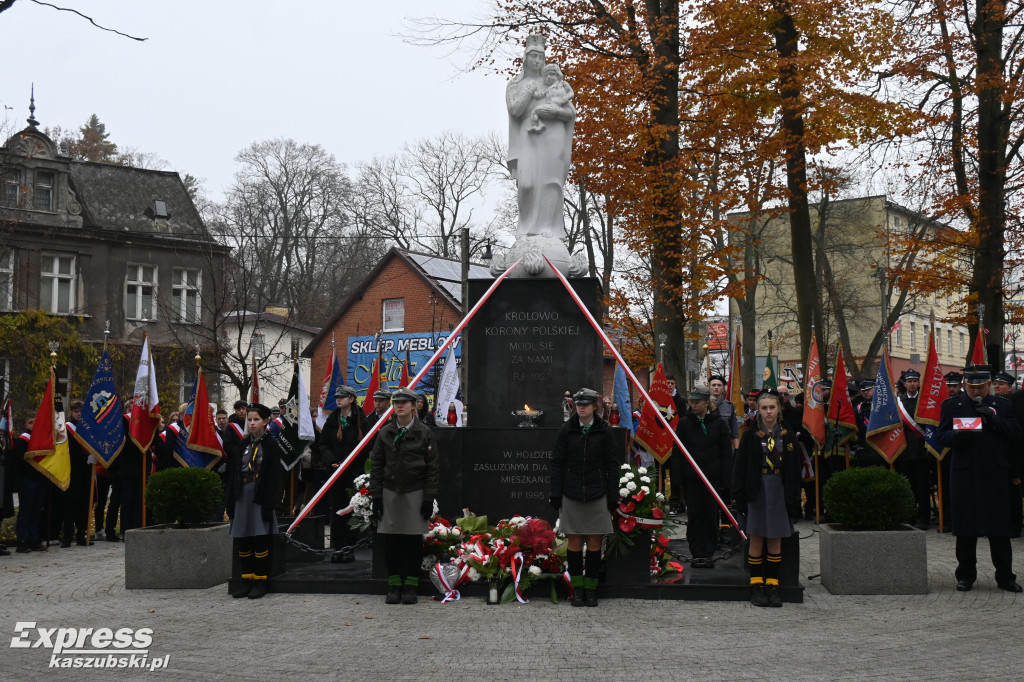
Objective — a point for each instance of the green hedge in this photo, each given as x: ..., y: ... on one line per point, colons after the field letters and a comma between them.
x: 184, y: 497
x: 869, y: 498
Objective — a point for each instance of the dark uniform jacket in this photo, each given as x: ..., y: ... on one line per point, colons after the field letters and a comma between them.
x: 335, y: 443
x: 746, y: 475
x: 268, y: 480
x: 585, y: 467
x: 712, y: 450
x: 915, y: 444
x: 982, y: 464
x: 410, y: 464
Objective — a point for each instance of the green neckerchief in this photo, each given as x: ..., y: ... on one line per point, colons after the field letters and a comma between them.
x: 586, y: 429
x: 703, y: 426
x: 342, y: 420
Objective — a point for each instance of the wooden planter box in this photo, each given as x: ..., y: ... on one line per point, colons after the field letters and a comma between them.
x: 873, y: 562
x: 161, y: 557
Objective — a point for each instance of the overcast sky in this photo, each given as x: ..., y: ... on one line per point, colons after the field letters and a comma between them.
x: 217, y: 75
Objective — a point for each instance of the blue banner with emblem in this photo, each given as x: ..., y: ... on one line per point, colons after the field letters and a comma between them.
x: 362, y: 351
x: 101, y: 429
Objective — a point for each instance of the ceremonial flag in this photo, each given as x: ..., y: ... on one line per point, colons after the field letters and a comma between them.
x: 649, y: 433
x: 101, y: 430
x: 978, y: 356
x: 404, y: 381
x: 885, y: 432
x: 842, y: 420
x: 929, y: 402
x: 814, y: 405
x: 296, y: 422
x: 145, y: 414
x: 255, y: 381
x: 328, y: 400
x: 735, y: 391
x: 48, y: 443
x: 449, y: 390
x: 769, y: 380
x: 620, y: 393
x: 373, y: 385
x: 203, y: 441
x: 6, y: 427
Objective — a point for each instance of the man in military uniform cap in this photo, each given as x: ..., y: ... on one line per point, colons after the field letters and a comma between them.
x: 984, y: 436
x: 913, y: 462
x: 1002, y: 384
x: 954, y: 383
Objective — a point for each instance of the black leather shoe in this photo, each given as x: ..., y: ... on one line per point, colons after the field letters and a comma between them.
x: 259, y: 588
x: 590, y: 597
x: 394, y: 595
x: 964, y: 585
x: 1010, y: 585
x: 112, y: 537
x: 409, y: 595
x: 577, y: 596
x: 758, y: 597
x: 244, y: 590
x: 65, y: 543
x: 771, y: 593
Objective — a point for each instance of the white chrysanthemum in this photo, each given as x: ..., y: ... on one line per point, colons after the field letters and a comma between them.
x: 535, y: 570
x: 455, y: 531
x: 631, y: 486
x: 623, y: 492
x: 630, y: 474
x: 625, y: 467
x: 623, y: 481
x: 517, y: 520
x: 474, y: 575
x: 647, y: 491
x: 660, y: 497
x: 641, y: 470
x: 441, y: 532
x: 645, y: 479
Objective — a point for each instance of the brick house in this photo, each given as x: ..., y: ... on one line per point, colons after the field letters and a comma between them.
x: 99, y: 244
x: 409, y: 301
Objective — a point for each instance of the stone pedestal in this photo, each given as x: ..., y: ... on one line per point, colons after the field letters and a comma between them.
x: 166, y: 557
x: 873, y: 562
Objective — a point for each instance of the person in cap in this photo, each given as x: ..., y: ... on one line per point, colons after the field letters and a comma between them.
x: 1016, y: 399
x: 404, y: 480
x: 914, y: 462
x: 721, y: 404
x: 256, y: 475
x: 954, y: 383
x: 1002, y: 384
x: 584, y: 490
x: 381, y: 402
x: 984, y: 437
x: 766, y: 488
x: 865, y: 455
x: 708, y: 439
x: 341, y: 432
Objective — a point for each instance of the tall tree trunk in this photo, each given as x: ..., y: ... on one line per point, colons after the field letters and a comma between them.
x: 787, y: 46
x: 987, y: 278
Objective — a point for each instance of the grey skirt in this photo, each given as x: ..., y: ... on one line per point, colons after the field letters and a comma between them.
x: 402, y: 513
x: 768, y: 517
x: 584, y: 518
x: 247, y: 521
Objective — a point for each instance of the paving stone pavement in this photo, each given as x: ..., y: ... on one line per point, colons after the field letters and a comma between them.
x: 206, y: 635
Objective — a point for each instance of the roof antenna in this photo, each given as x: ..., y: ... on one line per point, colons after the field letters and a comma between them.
x: 32, y: 122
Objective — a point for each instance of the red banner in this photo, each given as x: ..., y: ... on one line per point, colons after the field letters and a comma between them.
x: 650, y: 434
x: 718, y: 336
x: 814, y: 406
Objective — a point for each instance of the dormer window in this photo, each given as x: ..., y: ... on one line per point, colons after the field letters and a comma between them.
x: 42, y: 193
x: 159, y: 209
x: 12, y: 187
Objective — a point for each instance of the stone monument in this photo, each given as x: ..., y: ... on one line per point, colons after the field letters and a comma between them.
x: 541, y: 117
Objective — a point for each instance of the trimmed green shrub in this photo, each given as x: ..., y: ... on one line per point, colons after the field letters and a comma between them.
x: 184, y: 497
x: 869, y: 498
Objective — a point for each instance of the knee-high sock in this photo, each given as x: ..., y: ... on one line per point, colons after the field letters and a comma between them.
x: 245, y: 558
x: 393, y: 545
x: 591, y: 569
x: 261, y: 553
x: 413, y: 560
x: 773, y: 562
x: 575, y: 560
x: 756, y: 564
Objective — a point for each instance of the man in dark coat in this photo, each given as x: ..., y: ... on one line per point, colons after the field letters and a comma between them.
x: 914, y: 461
x: 984, y: 436
x: 708, y: 439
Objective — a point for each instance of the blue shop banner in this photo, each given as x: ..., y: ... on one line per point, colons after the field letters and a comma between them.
x: 362, y: 351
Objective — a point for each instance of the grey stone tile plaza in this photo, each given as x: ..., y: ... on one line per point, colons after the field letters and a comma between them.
x: 205, y: 635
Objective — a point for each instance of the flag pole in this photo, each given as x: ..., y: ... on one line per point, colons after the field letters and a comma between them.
x: 387, y: 413
x: 145, y: 455
x: 942, y: 519
x: 632, y: 377
x: 92, y: 476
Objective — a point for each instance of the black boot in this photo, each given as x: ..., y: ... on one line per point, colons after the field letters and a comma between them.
x: 245, y: 561
x: 244, y: 590
x: 259, y: 588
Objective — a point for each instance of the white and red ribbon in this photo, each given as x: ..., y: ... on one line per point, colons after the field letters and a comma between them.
x: 517, y: 574
x: 451, y: 594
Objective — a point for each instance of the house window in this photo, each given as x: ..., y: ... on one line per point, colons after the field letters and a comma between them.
x: 57, y: 285
x: 949, y: 342
x: 394, y: 314
x: 140, y: 292
x: 12, y: 187
x: 913, y: 336
x: 7, y: 280
x: 185, y: 290
x: 258, y: 349
x: 899, y: 336
x: 963, y: 353
x: 42, y: 193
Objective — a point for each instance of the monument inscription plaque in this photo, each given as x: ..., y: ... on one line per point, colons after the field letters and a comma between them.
x: 528, y: 345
